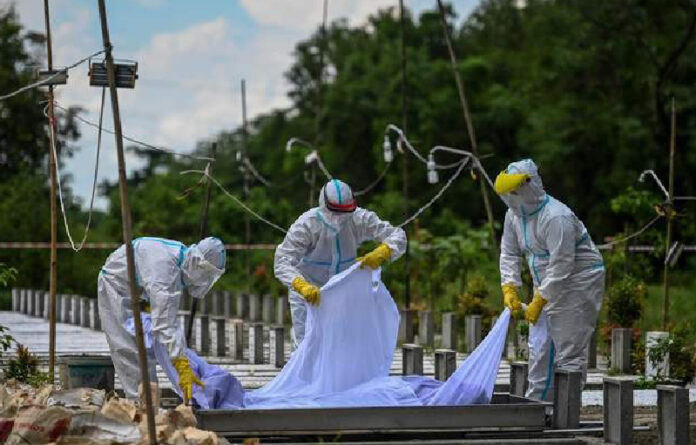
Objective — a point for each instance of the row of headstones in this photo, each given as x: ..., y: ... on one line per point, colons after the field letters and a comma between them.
x: 74, y: 309
x: 473, y: 332
x: 672, y: 405
x: 229, y: 336
x: 248, y: 307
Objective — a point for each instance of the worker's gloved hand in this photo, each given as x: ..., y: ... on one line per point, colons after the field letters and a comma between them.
x: 308, y: 291
x: 511, y: 299
x: 534, y: 308
x: 186, y: 377
x: 380, y: 255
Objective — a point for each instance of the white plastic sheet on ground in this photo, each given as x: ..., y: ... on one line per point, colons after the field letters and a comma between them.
x: 345, y: 358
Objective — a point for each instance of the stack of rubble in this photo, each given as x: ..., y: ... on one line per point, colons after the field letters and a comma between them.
x: 87, y: 416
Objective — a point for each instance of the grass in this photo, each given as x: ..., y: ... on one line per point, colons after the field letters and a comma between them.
x: 682, y: 307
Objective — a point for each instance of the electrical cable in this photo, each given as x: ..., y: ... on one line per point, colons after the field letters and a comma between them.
x: 633, y: 235
x: 54, y: 153
x: 50, y: 78
x: 375, y: 182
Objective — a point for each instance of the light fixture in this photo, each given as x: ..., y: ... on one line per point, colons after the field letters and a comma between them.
x: 432, y: 172
x: 388, y: 152
x: 126, y: 72
x: 238, y: 155
x: 674, y: 253
x: 52, y: 77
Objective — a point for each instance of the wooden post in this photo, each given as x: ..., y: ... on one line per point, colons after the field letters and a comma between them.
x: 127, y: 229
x: 404, y: 158
x: 245, y: 190
x: 469, y: 125
x: 668, y: 237
x: 202, y: 232
x: 53, y: 280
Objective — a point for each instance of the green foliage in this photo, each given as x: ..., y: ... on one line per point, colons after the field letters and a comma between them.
x: 682, y: 354
x: 5, y: 339
x: 473, y: 300
x: 7, y: 274
x: 25, y: 368
x: 624, y: 302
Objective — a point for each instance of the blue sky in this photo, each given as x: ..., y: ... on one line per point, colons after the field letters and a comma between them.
x: 192, y: 56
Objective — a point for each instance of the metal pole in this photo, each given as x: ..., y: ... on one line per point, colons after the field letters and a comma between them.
x: 245, y: 187
x: 127, y: 230
x: 53, y: 280
x: 404, y: 159
x: 202, y: 232
x: 469, y: 125
x: 672, y: 149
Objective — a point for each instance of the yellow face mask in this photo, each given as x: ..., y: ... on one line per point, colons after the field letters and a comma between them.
x: 509, y: 182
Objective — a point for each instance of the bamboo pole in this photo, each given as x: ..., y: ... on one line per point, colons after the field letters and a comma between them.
x: 245, y: 186
x: 53, y: 280
x: 469, y: 125
x: 317, y: 117
x: 201, y: 233
x: 668, y: 240
x: 127, y: 229
x: 404, y: 159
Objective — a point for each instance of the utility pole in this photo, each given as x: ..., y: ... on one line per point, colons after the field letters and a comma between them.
x: 317, y: 117
x: 245, y: 186
x: 202, y: 232
x: 127, y: 229
x: 469, y: 125
x: 53, y: 280
x: 404, y: 159
x: 668, y: 241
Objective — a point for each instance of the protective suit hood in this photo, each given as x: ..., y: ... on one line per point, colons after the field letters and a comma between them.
x: 203, y: 265
x: 530, y: 196
x: 336, y: 203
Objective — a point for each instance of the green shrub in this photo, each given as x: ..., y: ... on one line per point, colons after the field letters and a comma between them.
x: 25, y: 368
x: 625, y: 302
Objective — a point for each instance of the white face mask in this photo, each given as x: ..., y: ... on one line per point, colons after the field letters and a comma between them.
x: 199, y: 274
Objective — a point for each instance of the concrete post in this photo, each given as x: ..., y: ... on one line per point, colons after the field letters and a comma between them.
x: 406, y: 326
x: 84, y: 312
x: 592, y: 351
x: 243, y: 306
x: 46, y: 296
x: 30, y: 302
x: 227, y: 305
x: 237, y: 339
x: 256, y: 343
x: 473, y: 332
x: 653, y: 340
x: 75, y: 310
x: 445, y: 363
x: 426, y: 328
x: 66, y: 307
x: 267, y: 309
x: 38, y: 303
x: 567, y: 399
x: 202, y: 324
x: 621, y: 350
x: 673, y: 415
x: 254, y: 307
x: 412, y: 359
x: 15, y: 299
x: 618, y: 410
x: 220, y: 339
x: 94, y: 321
x: 449, y: 331
x: 519, y: 378
x: 281, y: 309
x: 183, y: 316
x: 277, y: 342
x: 214, y: 303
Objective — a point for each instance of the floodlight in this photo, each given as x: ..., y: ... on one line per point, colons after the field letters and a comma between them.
x: 388, y: 152
x: 126, y: 72
x: 432, y: 172
x: 52, y: 77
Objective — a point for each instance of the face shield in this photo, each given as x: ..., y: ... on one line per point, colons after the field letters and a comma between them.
x: 203, y: 266
x: 337, y: 203
x: 520, y: 186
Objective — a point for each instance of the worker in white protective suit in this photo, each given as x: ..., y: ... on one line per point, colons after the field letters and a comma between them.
x: 567, y: 270
x: 163, y: 269
x: 324, y: 242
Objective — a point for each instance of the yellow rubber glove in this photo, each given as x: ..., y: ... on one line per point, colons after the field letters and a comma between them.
x: 511, y: 299
x: 186, y: 377
x: 380, y: 255
x: 308, y: 291
x: 534, y: 308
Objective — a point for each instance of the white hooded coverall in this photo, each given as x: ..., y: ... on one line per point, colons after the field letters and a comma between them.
x: 322, y: 243
x: 567, y: 269
x: 163, y: 269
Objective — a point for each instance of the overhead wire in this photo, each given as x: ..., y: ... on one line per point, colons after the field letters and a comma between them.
x: 631, y: 236
x: 48, y: 80
x: 52, y: 132
x: 139, y: 142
